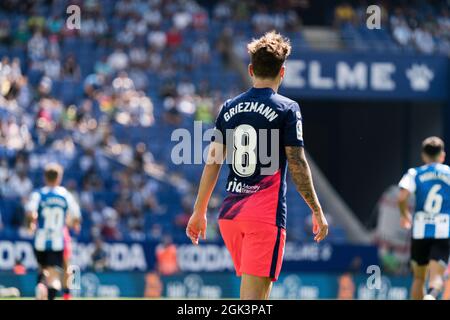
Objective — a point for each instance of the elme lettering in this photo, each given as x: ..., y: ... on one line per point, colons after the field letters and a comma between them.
x: 361, y: 76
x: 376, y: 76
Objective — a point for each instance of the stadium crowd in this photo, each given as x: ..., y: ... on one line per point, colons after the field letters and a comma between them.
x: 422, y: 26
x: 65, y: 93
x: 103, y: 100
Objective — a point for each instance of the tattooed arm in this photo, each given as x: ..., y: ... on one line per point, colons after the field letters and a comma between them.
x: 301, y: 175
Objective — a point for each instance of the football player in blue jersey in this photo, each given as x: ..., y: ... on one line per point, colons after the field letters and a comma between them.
x: 430, y: 222
x: 252, y: 218
x: 50, y: 209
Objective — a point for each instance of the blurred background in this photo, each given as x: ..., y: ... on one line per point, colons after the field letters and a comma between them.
x: 104, y: 99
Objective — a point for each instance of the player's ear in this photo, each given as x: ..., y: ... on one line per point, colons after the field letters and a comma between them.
x: 250, y: 70
x: 282, y: 71
x: 442, y: 159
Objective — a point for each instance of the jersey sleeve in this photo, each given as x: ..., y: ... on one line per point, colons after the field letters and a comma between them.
x: 293, y: 127
x: 219, y: 131
x: 73, y: 207
x: 33, y: 203
x: 408, y: 181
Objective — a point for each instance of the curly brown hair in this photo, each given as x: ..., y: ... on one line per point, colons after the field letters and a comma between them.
x: 268, y: 53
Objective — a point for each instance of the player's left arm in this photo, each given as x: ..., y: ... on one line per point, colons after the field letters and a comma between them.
x: 302, y: 177
x: 196, y: 227
x: 74, y: 214
x: 31, y: 208
x: 299, y: 168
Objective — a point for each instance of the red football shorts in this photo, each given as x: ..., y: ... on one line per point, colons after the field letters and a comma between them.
x: 256, y: 248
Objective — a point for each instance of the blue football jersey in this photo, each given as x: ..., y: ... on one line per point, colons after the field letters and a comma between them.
x: 431, y: 186
x: 52, y: 205
x: 256, y: 126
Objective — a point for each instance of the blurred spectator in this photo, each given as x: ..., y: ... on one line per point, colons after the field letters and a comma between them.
x: 346, y: 289
x: 19, y: 185
x: 153, y: 285
x: 222, y: 11
x: 99, y: 257
x: 424, y: 41
x: 344, y: 13
x: 201, y: 51
x: 71, y: 70
x: 204, y: 110
x: 155, y: 232
x: 172, y: 115
x: 166, y: 257
x: 138, y: 25
x: 181, y: 20
x: 138, y: 56
x: 139, y: 78
x: 5, y: 32
x: 122, y: 82
x: 35, y: 21
x: 36, y: 48
x: 102, y: 67
x: 118, y: 60
x: 94, y: 26
x: 153, y: 16
x: 19, y: 268
x: 110, y: 226
x: 157, y: 39
x: 402, y: 33
x: 93, y: 83
x: 263, y: 20
x: 22, y: 34
x: 52, y: 67
x: 174, y: 38
x: 55, y: 24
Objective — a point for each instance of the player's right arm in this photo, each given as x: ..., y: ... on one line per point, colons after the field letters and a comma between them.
x: 407, y: 187
x: 405, y: 214
x: 301, y: 175
x: 31, y: 209
x: 197, y: 223
x: 74, y: 214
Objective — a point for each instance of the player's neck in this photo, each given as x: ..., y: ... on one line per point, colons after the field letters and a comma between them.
x: 52, y: 185
x: 432, y: 161
x: 260, y: 84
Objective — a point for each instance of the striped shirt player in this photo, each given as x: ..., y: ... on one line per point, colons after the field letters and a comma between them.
x: 53, y: 205
x: 431, y: 218
x: 430, y: 221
